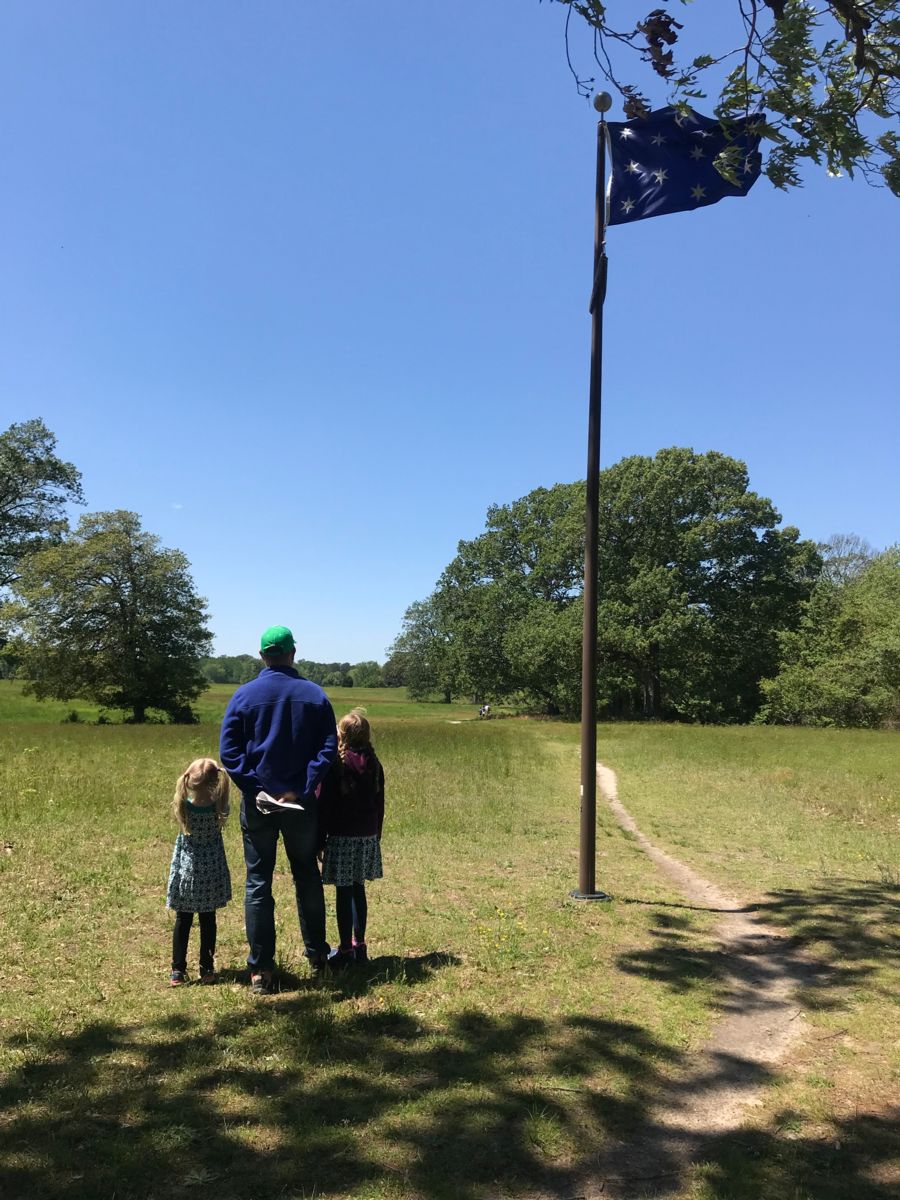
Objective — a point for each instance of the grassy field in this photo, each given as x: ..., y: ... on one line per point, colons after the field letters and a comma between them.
x: 379, y: 702
x: 502, y: 1034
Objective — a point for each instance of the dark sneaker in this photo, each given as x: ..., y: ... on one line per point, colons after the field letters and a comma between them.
x: 340, y: 960
x: 177, y: 978
x: 261, y: 983
x: 208, y: 976
x: 360, y: 952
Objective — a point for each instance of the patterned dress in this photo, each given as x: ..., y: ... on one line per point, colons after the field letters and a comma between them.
x: 351, y: 860
x: 198, y: 877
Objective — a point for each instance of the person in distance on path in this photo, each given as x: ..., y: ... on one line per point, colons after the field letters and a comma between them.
x: 279, y: 737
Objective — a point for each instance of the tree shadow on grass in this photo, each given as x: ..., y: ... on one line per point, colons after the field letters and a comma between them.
x: 360, y: 977
x: 679, y: 958
x: 285, y: 1099
x: 835, y: 938
x: 855, y: 1159
x: 829, y: 942
x: 848, y: 927
x: 339, y: 1090
x: 851, y: 1159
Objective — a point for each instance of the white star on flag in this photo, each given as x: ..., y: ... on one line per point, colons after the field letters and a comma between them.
x: 661, y: 175
x: 625, y: 132
x: 633, y: 168
x: 698, y: 192
x: 658, y: 140
x: 627, y: 206
x: 697, y: 152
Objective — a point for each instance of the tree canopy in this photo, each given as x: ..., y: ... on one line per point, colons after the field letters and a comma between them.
x: 841, y: 665
x: 697, y: 580
x: 824, y: 77
x: 231, y: 668
x: 35, y: 486
x: 110, y: 615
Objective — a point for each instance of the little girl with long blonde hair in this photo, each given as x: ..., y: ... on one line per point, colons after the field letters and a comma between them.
x: 199, y: 881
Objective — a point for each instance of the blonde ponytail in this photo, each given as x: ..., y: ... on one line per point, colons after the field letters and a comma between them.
x: 206, y: 780
x: 179, y: 802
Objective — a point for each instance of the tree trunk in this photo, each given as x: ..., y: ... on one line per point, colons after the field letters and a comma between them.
x: 655, y: 683
x: 651, y: 685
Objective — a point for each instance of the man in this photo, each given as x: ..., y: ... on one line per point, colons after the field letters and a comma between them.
x: 279, y: 737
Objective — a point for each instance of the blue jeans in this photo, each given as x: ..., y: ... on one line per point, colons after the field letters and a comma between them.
x: 299, y: 832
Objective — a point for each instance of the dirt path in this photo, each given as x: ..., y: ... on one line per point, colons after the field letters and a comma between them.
x: 760, y: 1019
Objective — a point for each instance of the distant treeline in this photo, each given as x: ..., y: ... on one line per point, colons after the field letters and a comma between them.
x: 240, y: 668
x: 710, y: 609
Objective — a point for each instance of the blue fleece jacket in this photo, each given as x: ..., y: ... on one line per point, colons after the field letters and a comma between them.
x: 278, y: 735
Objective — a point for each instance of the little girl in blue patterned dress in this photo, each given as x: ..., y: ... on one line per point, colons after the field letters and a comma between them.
x: 199, y: 881
x: 352, y: 816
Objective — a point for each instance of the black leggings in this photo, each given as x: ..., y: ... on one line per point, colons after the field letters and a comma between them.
x: 181, y: 933
x: 351, y: 909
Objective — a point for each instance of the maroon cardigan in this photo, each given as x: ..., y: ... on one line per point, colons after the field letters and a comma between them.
x: 352, y: 802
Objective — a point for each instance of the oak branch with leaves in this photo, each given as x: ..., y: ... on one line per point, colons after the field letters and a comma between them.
x: 825, y: 77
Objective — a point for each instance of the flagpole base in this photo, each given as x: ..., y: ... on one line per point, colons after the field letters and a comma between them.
x: 576, y: 895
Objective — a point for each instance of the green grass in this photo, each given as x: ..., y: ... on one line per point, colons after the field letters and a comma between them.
x: 503, y: 1036
x: 807, y: 824
x: 378, y: 702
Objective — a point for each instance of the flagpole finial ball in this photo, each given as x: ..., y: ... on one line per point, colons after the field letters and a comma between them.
x: 602, y: 102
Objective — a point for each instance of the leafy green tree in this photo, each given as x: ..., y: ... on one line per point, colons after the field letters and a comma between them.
x: 35, y: 486
x: 334, y: 675
x: 422, y: 653
x: 696, y: 581
x: 826, y: 77
x: 109, y: 615
x: 544, y: 645
x: 498, y: 601
x: 313, y: 671
x: 231, y: 668
x: 393, y: 673
x: 844, y: 556
x: 366, y: 674
x: 842, y: 665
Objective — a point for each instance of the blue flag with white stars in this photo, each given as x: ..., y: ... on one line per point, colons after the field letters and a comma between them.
x: 663, y: 163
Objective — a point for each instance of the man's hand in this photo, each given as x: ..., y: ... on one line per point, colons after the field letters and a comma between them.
x: 289, y: 797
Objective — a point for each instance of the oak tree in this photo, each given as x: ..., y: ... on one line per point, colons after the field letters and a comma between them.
x: 112, y: 616
x: 35, y: 486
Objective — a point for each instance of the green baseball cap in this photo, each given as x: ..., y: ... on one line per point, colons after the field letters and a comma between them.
x: 277, y: 639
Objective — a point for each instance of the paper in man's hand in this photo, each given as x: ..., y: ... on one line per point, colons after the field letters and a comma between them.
x: 270, y: 804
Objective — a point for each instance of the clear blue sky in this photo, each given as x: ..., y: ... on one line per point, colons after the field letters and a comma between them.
x: 305, y: 285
